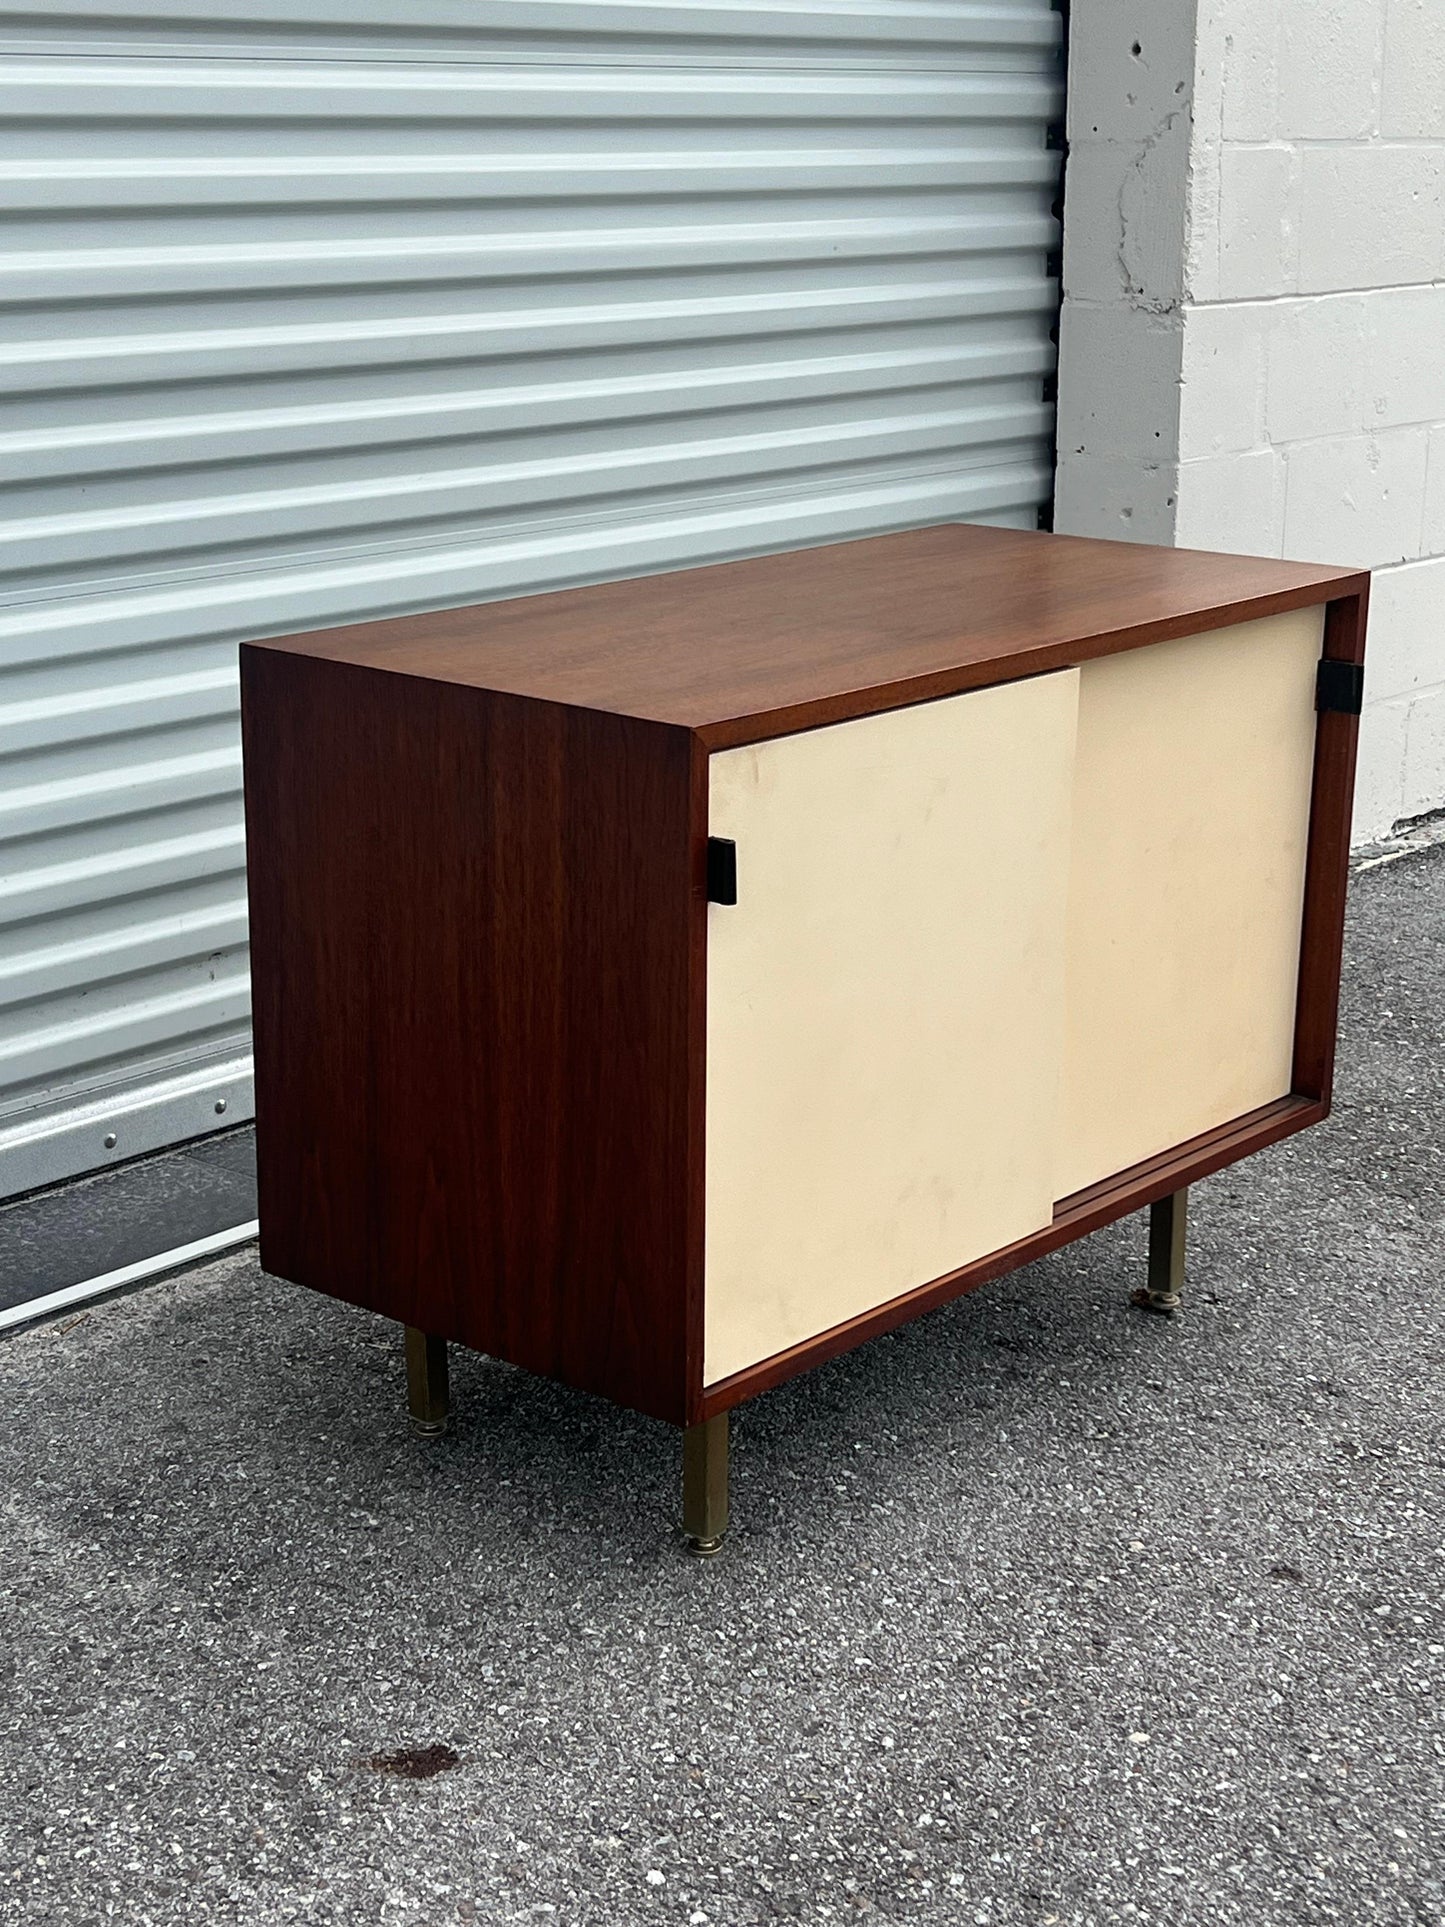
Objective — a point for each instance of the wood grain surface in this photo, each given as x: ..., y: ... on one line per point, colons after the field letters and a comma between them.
x: 747, y: 650
x: 1328, y: 870
x: 475, y: 925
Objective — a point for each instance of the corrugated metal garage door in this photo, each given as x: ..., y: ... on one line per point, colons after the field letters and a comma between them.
x: 313, y: 309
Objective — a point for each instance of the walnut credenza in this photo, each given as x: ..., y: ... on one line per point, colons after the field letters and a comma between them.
x: 668, y: 984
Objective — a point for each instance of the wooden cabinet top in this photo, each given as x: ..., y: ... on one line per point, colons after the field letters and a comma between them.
x: 740, y: 651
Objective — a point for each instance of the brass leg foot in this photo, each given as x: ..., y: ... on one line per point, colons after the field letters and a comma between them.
x: 1167, y: 1220
x: 428, y: 1395
x: 705, y: 1485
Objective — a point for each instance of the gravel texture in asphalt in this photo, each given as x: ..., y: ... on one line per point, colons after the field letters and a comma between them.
x: 1039, y: 1611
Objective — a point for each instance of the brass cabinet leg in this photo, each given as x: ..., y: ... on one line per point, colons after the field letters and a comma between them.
x: 1167, y: 1218
x: 428, y: 1395
x: 705, y: 1485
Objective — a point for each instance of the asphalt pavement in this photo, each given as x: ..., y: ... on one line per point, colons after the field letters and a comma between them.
x: 1039, y: 1611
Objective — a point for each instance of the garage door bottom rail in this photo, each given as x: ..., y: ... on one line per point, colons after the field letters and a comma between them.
x: 101, y: 1233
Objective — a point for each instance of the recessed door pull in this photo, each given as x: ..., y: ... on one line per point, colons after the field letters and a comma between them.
x: 722, y: 870
x: 1340, y: 686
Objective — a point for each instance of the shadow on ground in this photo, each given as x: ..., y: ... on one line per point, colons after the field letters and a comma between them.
x: 1039, y: 1611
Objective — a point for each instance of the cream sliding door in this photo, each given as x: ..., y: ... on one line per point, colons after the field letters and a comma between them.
x: 987, y: 952
x: 1191, y: 813
x: 885, y: 1007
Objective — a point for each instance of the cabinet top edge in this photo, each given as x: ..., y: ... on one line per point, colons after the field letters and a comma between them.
x: 740, y: 651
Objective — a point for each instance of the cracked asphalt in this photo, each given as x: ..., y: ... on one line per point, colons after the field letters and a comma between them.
x: 1040, y: 1611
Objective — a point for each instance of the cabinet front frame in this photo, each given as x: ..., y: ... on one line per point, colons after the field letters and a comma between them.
x: 1316, y: 1017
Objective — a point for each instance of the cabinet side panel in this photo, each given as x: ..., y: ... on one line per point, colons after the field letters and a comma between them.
x: 1191, y: 817
x: 885, y: 1008
x: 470, y: 924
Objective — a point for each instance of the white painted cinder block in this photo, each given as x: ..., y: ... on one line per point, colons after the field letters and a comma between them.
x: 1248, y: 87
x: 1262, y: 366
x: 1316, y: 367
x: 1380, y: 770
x: 1125, y: 239
x: 1221, y: 363
x: 1370, y: 216
x: 1412, y: 106
x: 1406, y: 651
x: 1405, y: 349
x: 1357, y: 499
x: 1432, y: 533
x: 1328, y: 60
x: 1258, y: 190
x: 1130, y: 67
x: 1118, y: 498
x: 1424, y: 782
x: 1232, y: 502
x: 1203, y: 231
x: 1129, y: 400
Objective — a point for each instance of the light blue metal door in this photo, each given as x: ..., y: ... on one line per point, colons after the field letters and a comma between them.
x: 317, y: 309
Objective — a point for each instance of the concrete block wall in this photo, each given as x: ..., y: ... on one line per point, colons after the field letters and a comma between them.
x: 1126, y: 228
x: 1252, y: 353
